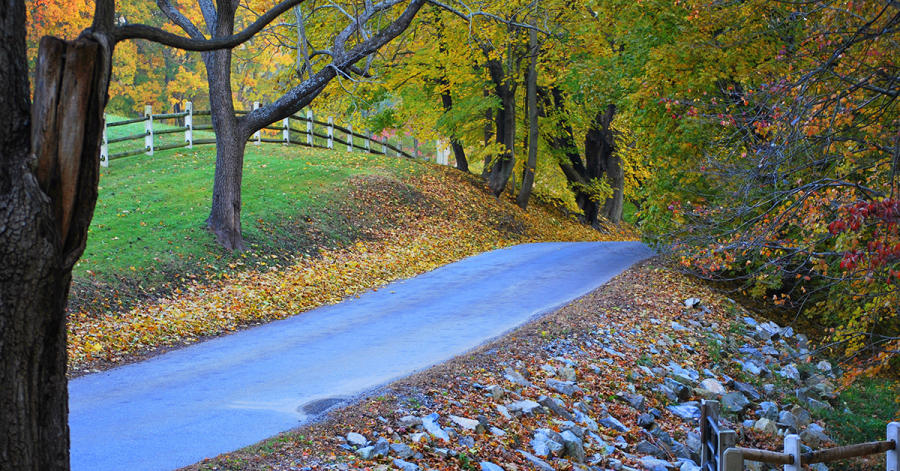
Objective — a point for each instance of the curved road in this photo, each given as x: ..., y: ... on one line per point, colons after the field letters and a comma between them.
x: 233, y: 391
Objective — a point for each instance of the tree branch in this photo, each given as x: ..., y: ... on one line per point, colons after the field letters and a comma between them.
x: 139, y: 31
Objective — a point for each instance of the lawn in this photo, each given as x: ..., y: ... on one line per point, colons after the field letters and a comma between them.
x: 151, y: 209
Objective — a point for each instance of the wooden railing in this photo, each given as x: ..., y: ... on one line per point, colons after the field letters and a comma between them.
x: 719, y: 452
x: 305, y: 135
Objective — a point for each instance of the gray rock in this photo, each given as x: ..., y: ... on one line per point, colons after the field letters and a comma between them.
x: 515, y: 377
x: 556, y: 406
x: 567, y: 373
x: 405, y: 465
x: 431, y: 426
x: 676, y: 369
x: 613, y: 423
x: 790, y: 372
x: 735, y: 402
x: 586, y: 420
x: 681, y: 392
x: 366, y: 452
x: 401, y: 450
x: 765, y: 425
x: 677, y: 327
x: 687, y: 410
x: 356, y: 439
x: 574, y: 446
x: 803, y: 417
x: 646, y: 421
x: 467, y: 441
x: 488, y: 466
x: 688, y: 466
x: 768, y: 410
x: 787, y: 332
x: 549, y: 369
x: 692, y: 303
x: 750, y: 366
x: 814, y: 436
x: 768, y: 389
x: 786, y: 419
x: 418, y: 437
x: 497, y: 392
x: 497, y: 432
x: 525, y: 407
x: 647, y: 448
x: 637, y: 401
x: 547, y: 442
x: 746, y: 390
x: 713, y: 386
x: 465, y: 423
x: 814, y: 404
x: 535, y: 461
x: 654, y: 464
x: 563, y: 387
x: 409, y: 421
x: 824, y: 366
x: 503, y: 411
x: 751, y: 322
x: 382, y: 447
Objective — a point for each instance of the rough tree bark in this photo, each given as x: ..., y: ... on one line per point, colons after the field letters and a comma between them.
x: 532, y: 112
x: 459, y: 153
x: 49, y: 166
x: 224, y: 219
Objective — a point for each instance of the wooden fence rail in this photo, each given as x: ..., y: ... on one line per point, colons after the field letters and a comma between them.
x: 720, y: 454
x: 366, y: 143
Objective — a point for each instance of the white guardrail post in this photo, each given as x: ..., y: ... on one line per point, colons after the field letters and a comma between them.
x: 893, y: 456
x: 384, y: 146
x: 148, y: 129
x: 258, y: 134
x: 309, y: 127
x: 286, y: 130
x: 104, y: 146
x: 350, y: 138
x: 189, y: 124
x: 792, y: 447
x: 330, y: 133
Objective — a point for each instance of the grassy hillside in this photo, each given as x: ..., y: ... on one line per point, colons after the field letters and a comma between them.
x: 321, y: 225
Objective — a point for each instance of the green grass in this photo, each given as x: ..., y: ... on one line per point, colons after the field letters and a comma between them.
x: 151, y: 209
x: 864, y: 410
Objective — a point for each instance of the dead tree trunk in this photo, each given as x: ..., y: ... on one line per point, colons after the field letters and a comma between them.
x: 532, y: 112
x: 49, y: 168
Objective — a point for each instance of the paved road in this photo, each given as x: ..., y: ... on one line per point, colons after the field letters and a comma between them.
x: 233, y: 391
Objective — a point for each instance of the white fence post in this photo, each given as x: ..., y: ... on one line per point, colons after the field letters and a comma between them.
x: 350, y: 138
x: 286, y: 130
x: 258, y: 134
x: 189, y: 124
x: 104, y: 147
x: 893, y: 456
x: 309, y: 127
x: 384, y: 146
x: 792, y: 447
x: 148, y: 129
x: 330, y: 133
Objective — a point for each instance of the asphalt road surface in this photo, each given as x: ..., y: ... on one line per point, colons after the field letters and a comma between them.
x: 217, y: 396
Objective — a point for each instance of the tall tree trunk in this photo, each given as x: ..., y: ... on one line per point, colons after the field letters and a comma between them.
x: 611, y: 164
x: 48, y: 189
x: 458, y: 152
x: 224, y: 219
x: 531, y: 111
x: 500, y: 167
x: 488, y: 135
